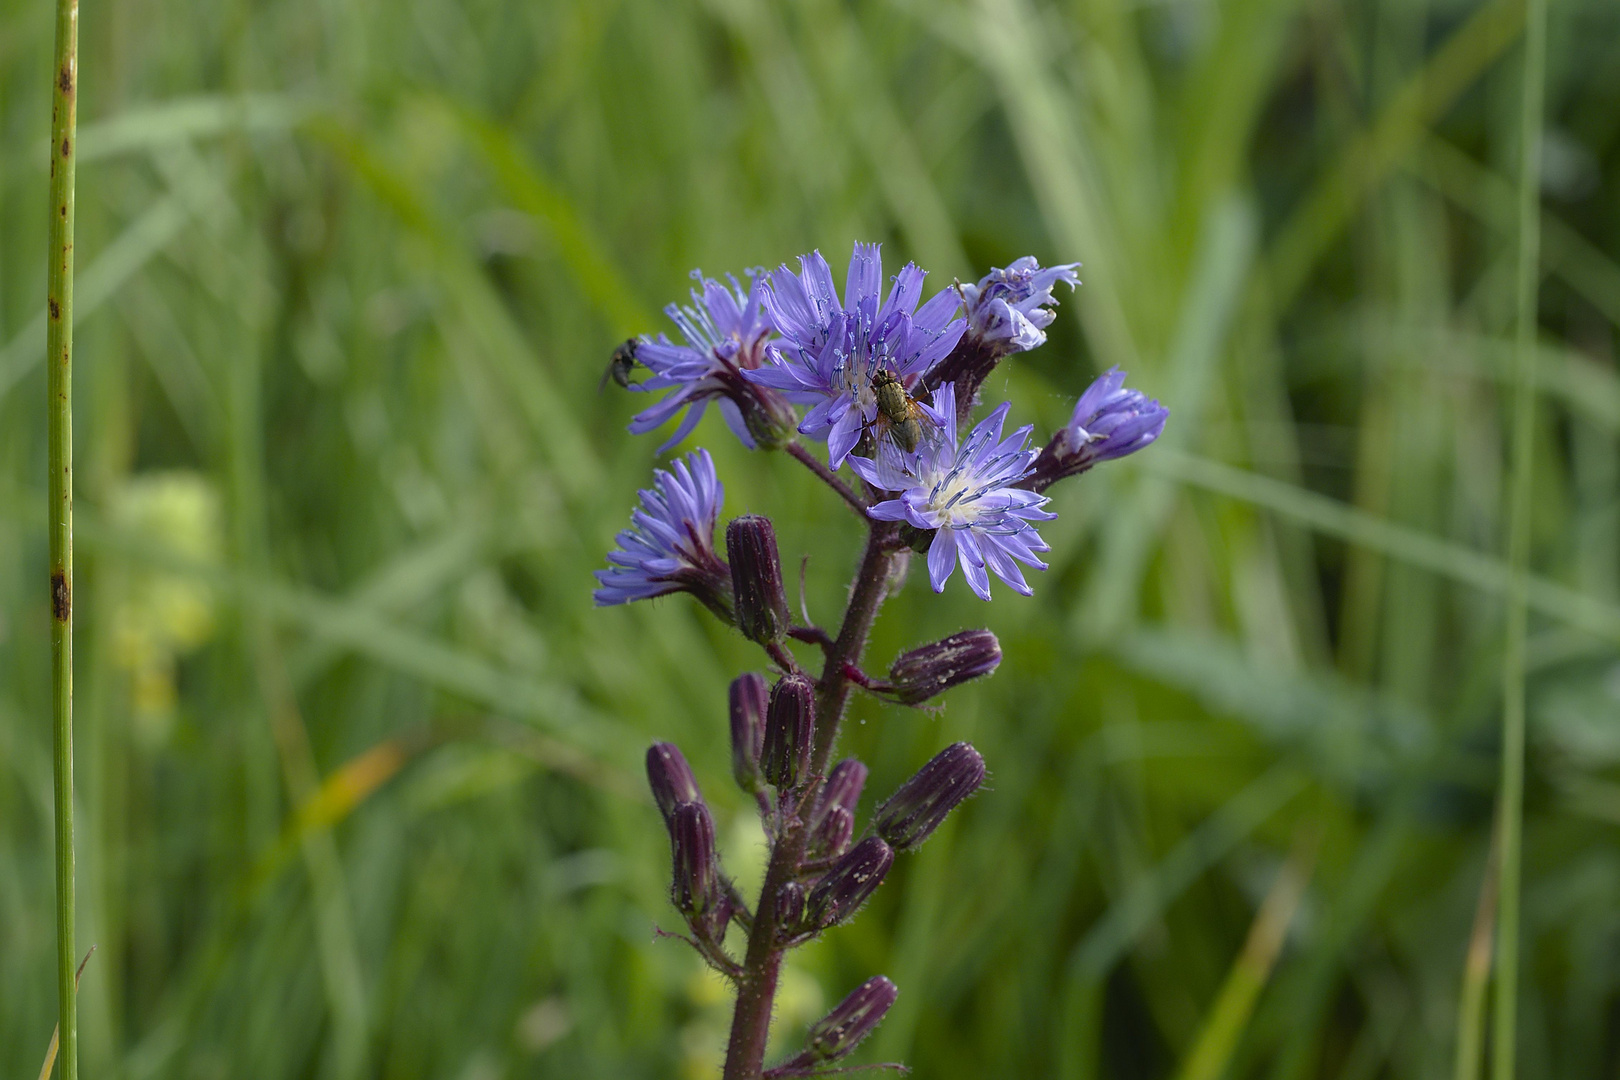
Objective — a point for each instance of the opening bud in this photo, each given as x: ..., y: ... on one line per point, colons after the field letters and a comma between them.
x: 789, y: 730
x: 756, y: 579
x: 853, y: 1019
x: 671, y: 779
x: 922, y: 803
x: 933, y: 669
x: 749, y: 695
x: 695, y: 888
x: 854, y: 878
x: 832, y: 822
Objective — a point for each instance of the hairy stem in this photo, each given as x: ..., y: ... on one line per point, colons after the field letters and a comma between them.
x: 756, y: 989
x: 59, y: 412
x: 828, y: 477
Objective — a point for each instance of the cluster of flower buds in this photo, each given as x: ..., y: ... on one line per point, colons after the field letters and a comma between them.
x: 698, y: 889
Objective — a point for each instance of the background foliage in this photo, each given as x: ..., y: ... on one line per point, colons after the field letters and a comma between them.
x: 359, y: 763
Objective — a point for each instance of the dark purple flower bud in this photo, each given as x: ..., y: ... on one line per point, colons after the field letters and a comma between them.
x: 914, y: 811
x: 853, y: 878
x: 696, y: 881
x: 832, y: 834
x: 756, y: 579
x: 933, y: 669
x: 790, y: 907
x: 832, y: 822
x: 749, y: 695
x: 670, y: 778
x: 789, y: 729
x: 853, y: 1019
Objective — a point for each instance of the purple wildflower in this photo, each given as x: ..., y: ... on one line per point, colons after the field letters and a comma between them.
x: 830, y: 350
x: 669, y: 546
x: 1109, y: 422
x: 1008, y: 311
x: 1013, y: 306
x: 967, y: 494
x: 726, y: 334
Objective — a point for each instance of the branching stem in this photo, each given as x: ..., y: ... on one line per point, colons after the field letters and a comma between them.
x: 828, y: 477
x: 762, y: 964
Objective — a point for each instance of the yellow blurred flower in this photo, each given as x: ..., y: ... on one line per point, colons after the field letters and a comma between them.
x: 158, y: 616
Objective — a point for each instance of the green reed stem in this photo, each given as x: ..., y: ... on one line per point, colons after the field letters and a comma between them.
x: 59, y: 352
x: 1513, y: 705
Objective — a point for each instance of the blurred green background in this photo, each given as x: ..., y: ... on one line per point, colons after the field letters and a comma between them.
x: 359, y: 764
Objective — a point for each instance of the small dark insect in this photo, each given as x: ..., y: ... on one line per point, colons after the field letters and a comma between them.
x: 899, y: 415
x: 620, y: 366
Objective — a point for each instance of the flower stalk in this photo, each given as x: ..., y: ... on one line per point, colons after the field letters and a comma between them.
x: 971, y: 501
x: 59, y: 413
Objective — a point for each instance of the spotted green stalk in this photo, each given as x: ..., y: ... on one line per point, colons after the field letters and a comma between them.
x: 59, y: 353
x: 1512, y: 798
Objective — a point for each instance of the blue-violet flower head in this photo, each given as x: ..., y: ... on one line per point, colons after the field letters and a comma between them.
x: 1012, y: 307
x: 669, y: 546
x: 1109, y: 422
x: 830, y: 348
x: 967, y: 493
x: 726, y: 333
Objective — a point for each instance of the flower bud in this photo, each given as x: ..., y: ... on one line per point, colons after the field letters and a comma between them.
x: 832, y: 822
x: 913, y: 812
x: 832, y: 834
x: 789, y: 730
x: 836, y: 897
x: 670, y: 778
x: 933, y: 669
x: 695, y: 888
x: 748, y: 702
x: 756, y: 579
x: 790, y: 908
x: 853, y: 1019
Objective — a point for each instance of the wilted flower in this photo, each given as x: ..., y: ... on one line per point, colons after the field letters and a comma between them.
x: 726, y: 334
x: 1108, y: 422
x: 830, y: 350
x: 967, y: 494
x: 1012, y: 307
x: 932, y: 669
x: 1008, y: 311
x: 669, y: 546
x: 921, y: 804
